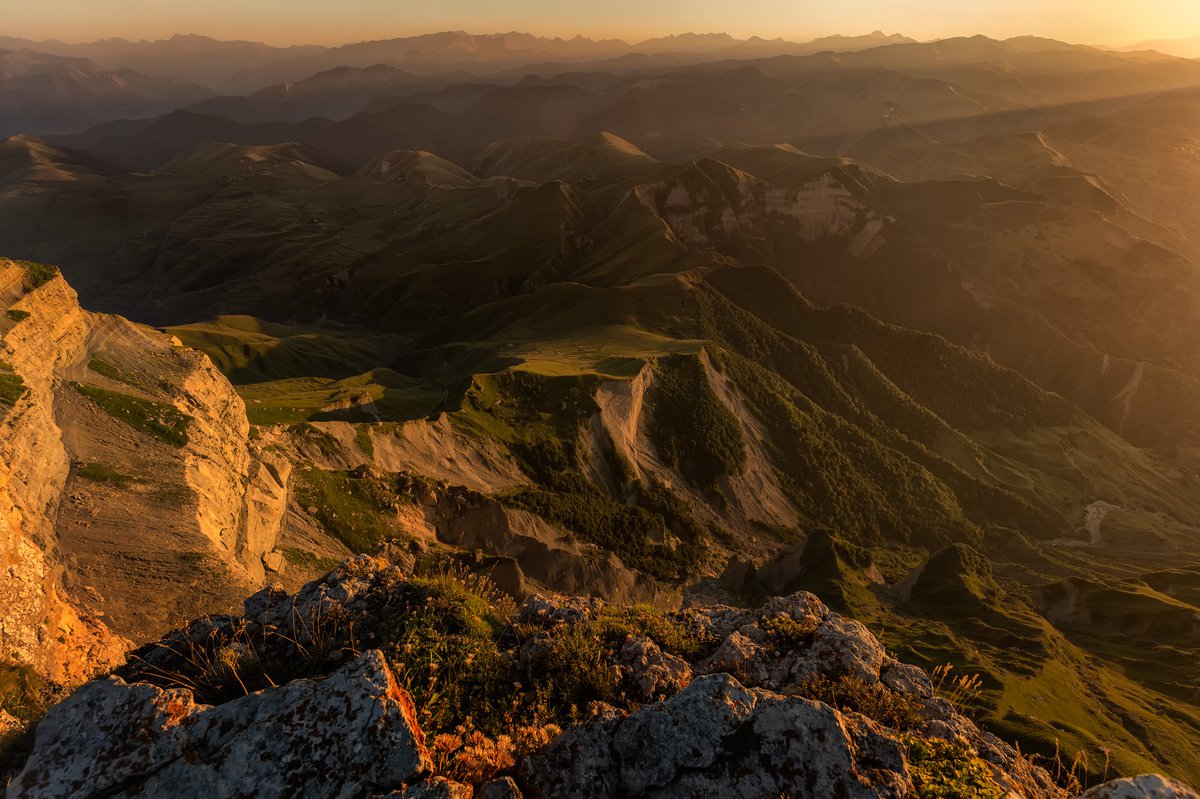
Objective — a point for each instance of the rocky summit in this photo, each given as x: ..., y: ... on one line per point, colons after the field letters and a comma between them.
x: 404, y: 679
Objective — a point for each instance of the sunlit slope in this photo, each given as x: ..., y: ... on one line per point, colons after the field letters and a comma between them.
x: 725, y: 358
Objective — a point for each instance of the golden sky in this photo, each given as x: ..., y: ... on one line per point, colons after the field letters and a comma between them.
x: 1116, y: 22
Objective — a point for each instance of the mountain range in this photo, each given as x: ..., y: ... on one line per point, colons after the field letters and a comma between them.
x: 910, y: 326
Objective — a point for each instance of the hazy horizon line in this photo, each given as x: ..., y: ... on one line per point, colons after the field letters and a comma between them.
x: 628, y: 41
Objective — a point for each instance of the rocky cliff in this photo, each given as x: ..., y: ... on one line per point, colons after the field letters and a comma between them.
x: 131, y: 496
x: 414, y: 680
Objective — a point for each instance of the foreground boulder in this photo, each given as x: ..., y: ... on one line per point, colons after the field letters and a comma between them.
x: 556, y: 699
x: 348, y: 734
x: 1147, y: 786
x: 718, y: 738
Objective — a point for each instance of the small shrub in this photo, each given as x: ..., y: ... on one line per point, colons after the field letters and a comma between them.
x: 444, y: 652
x: 787, y: 633
x: 948, y: 770
x: 472, y: 757
x: 158, y: 420
x: 17, y: 315
x: 12, y: 387
x: 614, y: 625
x: 875, y: 701
x: 38, y: 275
x: 576, y: 671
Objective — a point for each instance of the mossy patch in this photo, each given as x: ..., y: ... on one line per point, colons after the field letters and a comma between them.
x: 17, y: 315
x: 948, y: 770
x: 12, y: 387
x: 37, y: 275
x: 102, y: 367
x: 156, y: 419
x: 359, y: 511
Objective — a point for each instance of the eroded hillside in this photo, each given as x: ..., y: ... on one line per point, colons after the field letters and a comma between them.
x: 130, y: 478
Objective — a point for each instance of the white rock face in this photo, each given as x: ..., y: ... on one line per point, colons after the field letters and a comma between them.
x: 350, y: 734
x: 715, y: 206
x: 1147, y: 786
x: 38, y: 626
x: 117, y: 544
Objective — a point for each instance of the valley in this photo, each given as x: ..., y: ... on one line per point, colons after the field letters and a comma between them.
x: 907, y: 325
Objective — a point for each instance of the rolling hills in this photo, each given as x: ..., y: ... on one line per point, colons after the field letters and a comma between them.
x: 910, y: 327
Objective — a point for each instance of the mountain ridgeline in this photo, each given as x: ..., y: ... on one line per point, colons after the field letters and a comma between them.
x: 907, y: 326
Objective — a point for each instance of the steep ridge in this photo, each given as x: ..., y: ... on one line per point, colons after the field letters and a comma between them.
x: 130, y: 466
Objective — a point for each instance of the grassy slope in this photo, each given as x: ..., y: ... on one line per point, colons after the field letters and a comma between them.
x: 497, y: 302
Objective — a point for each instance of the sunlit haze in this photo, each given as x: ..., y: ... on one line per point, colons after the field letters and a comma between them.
x: 322, y: 22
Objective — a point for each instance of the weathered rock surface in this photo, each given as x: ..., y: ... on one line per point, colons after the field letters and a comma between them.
x: 435, y: 788
x: 105, y: 529
x: 718, y: 738
x: 349, y: 734
x: 724, y: 702
x: 1147, y: 786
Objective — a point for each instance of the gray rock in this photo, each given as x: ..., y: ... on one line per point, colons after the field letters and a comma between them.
x: 842, y: 648
x: 800, y: 606
x: 718, y: 621
x: 906, y: 679
x: 717, y: 738
x: 435, y: 788
x: 739, y: 656
x: 349, y: 734
x: 802, y: 749
x: 579, y: 764
x: 654, y: 674
x: 685, y: 732
x: 1147, y: 786
x: 503, y: 788
x: 261, y: 602
x: 540, y: 609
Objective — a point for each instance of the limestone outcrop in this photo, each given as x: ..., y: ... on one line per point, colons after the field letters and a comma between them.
x: 131, y: 496
x: 349, y: 734
x: 788, y: 699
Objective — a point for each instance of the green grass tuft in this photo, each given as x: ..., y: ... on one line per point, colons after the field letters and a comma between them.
x: 38, y: 275
x: 12, y: 387
x: 17, y: 315
x: 158, y: 420
x: 948, y: 770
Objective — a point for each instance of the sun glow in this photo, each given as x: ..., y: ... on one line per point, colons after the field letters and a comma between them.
x: 284, y: 22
